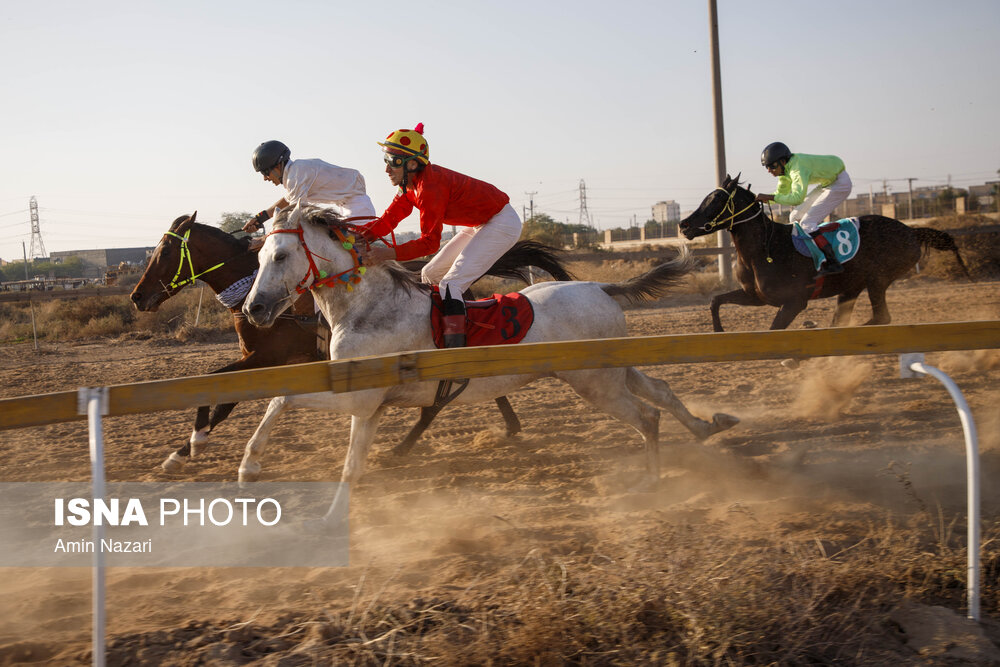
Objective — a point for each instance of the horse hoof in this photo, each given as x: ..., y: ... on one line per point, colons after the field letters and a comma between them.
x: 247, y: 475
x: 809, y: 324
x: 650, y: 483
x: 790, y: 364
x: 173, y: 463
x: 722, y: 421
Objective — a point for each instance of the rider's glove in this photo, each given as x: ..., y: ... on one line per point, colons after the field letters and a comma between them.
x: 260, y: 218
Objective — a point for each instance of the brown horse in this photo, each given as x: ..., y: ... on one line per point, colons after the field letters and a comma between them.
x: 190, y: 251
x: 772, y: 273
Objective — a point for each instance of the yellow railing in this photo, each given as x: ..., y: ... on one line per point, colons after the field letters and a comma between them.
x: 472, y: 362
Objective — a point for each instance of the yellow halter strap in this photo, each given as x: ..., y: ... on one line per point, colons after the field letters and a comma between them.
x: 186, y: 256
x: 730, y: 208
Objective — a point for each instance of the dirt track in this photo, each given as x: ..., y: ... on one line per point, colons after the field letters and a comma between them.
x: 821, y: 450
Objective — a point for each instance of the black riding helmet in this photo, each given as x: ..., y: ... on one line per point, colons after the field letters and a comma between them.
x: 774, y: 152
x: 269, y: 155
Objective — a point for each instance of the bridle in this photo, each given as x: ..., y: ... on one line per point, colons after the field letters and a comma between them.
x: 186, y: 256
x: 314, y: 276
x: 730, y: 207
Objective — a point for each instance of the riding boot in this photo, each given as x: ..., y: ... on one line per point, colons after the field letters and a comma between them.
x: 453, y: 320
x: 453, y: 328
x: 832, y: 265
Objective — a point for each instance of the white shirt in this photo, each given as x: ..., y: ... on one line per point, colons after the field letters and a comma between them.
x: 318, y: 182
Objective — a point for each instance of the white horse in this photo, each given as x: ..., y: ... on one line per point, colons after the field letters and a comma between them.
x: 387, y: 310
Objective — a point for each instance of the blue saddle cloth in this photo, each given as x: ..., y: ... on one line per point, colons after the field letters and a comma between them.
x: 842, y: 235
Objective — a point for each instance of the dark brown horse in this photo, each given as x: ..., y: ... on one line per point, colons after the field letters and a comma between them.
x: 772, y: 273
x: 190, y: 251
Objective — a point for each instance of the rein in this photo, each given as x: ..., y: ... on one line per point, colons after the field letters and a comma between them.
x: 350, y: 277
x: 186, y: 255
x: 730, y: 208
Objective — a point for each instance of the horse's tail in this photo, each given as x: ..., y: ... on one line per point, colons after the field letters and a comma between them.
x: 654, y: 283
x: 929, y: 237
x: 515, y: 262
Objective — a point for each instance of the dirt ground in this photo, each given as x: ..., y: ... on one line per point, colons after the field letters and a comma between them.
x: 821, y: 451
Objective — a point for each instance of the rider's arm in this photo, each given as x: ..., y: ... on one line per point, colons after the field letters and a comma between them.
x: 257, y: 222
x: 398, y: 209
x: 791, y: 190
x: 432, y: 207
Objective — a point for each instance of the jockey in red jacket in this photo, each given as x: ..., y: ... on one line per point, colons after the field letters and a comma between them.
x: 488, y: 225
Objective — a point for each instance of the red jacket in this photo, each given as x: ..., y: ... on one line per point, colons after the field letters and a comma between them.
x: 443, y: 197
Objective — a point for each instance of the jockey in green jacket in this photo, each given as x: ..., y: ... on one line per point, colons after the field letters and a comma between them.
x: 796, y: 172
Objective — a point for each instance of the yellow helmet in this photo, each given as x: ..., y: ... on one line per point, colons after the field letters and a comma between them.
x: 407, y: 144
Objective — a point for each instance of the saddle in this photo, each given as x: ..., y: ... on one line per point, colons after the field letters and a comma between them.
x: 841, y: 235
x: 503, y: 319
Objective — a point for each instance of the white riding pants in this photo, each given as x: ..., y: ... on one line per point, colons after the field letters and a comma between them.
x: 820, y: 203
x: 471, y: 252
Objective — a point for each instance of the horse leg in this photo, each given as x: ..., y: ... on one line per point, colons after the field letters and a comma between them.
x: 659, y: 393
x: 880, y: 309
x: 788, y: 312
x: 430, y: 412
x: 845, y: 308
x: 427, y: 415
x: 363, y: 431
x: 206, y: 419
x: 509, y: 416
x: 199, y: 436
x: 250, y: 466
x: 203, y: 425
x: 349, y: 403
x: 607, y: 390
x: 736, y: 297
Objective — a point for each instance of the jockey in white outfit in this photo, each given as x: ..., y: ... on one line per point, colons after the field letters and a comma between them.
x: 310, y: 182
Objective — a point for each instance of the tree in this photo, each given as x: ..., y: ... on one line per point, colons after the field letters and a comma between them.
x: 542, y: 227
x: 233, y: 221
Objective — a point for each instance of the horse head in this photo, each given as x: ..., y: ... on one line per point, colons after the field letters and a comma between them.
x: 155, y: 286
x: 300, y: 253
x: 719, y: 210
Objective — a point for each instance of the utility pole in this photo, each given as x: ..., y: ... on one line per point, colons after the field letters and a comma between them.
x: 871, y: 199
x: 909, y: 182
x: 25, y: 253
x: 725, y: 267
x: 531, y: 202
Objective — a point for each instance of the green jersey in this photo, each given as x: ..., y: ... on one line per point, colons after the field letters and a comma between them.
x: 803, y: 170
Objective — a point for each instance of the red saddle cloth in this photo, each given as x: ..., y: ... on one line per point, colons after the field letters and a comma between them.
x: 499, y: 320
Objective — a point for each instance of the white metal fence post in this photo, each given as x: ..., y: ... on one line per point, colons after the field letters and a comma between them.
x: 912, y: 365
x: 94, y: 401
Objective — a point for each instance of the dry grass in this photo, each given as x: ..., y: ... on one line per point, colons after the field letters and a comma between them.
x: 113, y: 316
x: 673, y: 595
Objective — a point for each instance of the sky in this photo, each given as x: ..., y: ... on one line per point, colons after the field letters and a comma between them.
x: 121, y: 116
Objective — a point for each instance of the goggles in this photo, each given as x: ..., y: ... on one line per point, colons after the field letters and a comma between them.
x: 395, y: 161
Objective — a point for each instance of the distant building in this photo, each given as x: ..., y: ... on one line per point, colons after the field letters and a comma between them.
x: 667, y: 211
x: 96, y: 262
x: 984, y: 197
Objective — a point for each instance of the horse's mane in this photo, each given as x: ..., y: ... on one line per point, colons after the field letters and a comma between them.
x: 330, y: 220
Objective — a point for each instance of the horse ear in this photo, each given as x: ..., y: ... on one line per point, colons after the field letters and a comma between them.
x: 296, y: 214
x: 194, y: 216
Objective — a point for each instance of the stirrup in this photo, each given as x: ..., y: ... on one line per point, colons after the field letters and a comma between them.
x: 829, y: 269
x: 444, y: 395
